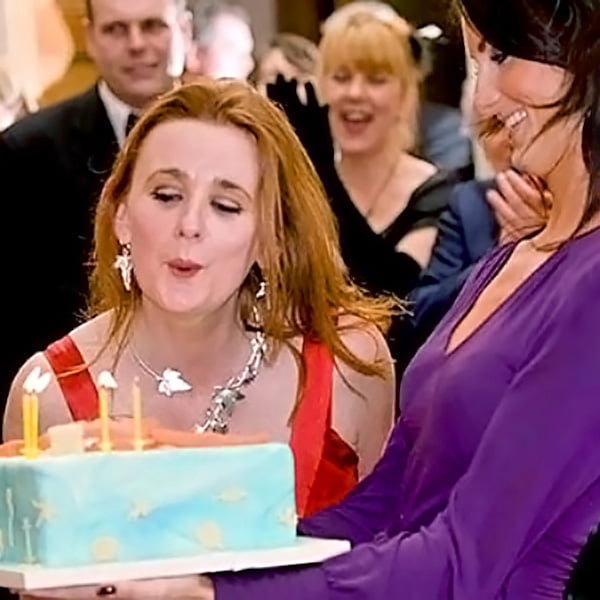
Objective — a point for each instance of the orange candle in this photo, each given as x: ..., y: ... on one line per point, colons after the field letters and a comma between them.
x: 34, y: 426
x: 35, y: 384
x: 106, y: 384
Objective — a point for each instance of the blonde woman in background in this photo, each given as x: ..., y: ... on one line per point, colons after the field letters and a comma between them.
x: 387, y: 201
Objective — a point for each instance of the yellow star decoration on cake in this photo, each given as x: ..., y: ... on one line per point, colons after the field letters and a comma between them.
x: 288, y: 517
x: 105, y: 549
x: 139, y: 510
x: 46, y: 512
x: 209, y: 534
x: 232, y: 495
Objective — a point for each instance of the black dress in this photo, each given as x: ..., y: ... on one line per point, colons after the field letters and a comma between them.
x: 371, y: 257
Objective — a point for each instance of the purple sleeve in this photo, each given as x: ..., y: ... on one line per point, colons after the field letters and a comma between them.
x: 538, y: 455
x: 368, y: 508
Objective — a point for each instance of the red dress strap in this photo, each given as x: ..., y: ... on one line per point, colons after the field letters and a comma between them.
x: 326, y: 467
x: 311, y: 420
x: 74, y: 378
x: 336, y: 476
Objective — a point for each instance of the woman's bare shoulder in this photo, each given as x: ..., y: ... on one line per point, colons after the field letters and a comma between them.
x: 90, y: 337
x: 419, y: 167
x: 364, y: 339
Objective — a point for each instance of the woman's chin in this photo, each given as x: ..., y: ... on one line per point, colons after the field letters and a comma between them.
x: 524, y: 164
x: 180, y: 306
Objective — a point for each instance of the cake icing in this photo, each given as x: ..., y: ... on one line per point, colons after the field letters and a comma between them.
x: 121, y: 506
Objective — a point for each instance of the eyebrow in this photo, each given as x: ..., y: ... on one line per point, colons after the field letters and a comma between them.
x: 173, y: 172
x: 231, y: 185
x: 226, y: 184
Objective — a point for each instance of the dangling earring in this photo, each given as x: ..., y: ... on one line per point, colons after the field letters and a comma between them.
x: 257, y: 308
x: 124, y: 265
x: 337, y: 155
x: 262, y: 290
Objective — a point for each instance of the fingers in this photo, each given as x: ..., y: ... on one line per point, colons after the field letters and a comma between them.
x: 507, y: 219
x: 311, y: 94
x: 84, y: 592
x: 521, y: 195
x: 11, y: 449
x: 519, y: 205
x: 283, y: 91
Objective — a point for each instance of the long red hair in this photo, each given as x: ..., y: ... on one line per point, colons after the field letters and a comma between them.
x: 297, y: 237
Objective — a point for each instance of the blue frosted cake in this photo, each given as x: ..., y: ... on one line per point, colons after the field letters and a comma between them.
x: 95, y: 507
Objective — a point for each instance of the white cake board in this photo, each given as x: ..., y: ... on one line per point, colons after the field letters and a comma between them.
x: 305, y: 551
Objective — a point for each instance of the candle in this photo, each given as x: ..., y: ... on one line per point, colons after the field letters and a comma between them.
x: 105, y: 443
x: 138, y: 440
x: 33, y: 426
x: 34, y: 384
x: 106, y: 384
x: 26, y: 416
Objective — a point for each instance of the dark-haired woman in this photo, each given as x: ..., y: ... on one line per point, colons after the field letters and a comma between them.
x: 490, y: 484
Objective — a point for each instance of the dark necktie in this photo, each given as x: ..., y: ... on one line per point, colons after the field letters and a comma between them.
x: 131, y: 121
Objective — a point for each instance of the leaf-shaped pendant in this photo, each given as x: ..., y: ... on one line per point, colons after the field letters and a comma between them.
x: 170, y: 381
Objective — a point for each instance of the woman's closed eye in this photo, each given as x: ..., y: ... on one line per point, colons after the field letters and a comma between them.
x: 166, y: 195
x: 226, y: 205
x: 378, y: 78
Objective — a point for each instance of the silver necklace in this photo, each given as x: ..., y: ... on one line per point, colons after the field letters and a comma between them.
x: 224, y: 397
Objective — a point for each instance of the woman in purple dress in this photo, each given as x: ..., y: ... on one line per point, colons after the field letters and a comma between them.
x: 490, y: 484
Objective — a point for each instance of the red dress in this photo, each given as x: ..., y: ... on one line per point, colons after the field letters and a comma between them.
x: 326, y: 467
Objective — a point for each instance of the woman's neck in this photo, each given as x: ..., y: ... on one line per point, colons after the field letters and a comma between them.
x: 204, y: 350
x: 368, y: 168
x: 568, y: 183
x: 366, y: 176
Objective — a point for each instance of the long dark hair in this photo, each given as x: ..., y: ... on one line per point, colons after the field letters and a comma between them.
x: 564, y: 33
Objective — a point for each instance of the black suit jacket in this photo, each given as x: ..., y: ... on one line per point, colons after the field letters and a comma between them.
x: 53, y: 164
x: 466, y: 231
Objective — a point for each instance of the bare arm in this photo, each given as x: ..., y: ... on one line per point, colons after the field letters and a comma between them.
x: 418, y: 244
x: 363, y: 406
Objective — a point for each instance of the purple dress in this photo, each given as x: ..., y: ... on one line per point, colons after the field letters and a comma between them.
x: 490, y: 483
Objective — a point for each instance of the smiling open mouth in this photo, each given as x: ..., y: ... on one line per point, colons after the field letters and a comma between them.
x: 515, y: 118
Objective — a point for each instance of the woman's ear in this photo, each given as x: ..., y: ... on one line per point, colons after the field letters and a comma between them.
x: 121, y: 224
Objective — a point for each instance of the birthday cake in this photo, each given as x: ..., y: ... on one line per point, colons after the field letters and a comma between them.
x: 71, y: 510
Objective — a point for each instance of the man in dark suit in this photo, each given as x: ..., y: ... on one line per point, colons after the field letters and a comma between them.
x: 54, y: 163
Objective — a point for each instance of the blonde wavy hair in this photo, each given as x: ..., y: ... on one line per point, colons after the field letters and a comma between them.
x: 372, y: 38
x: 297, y: 237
